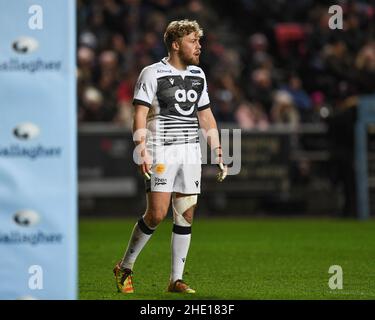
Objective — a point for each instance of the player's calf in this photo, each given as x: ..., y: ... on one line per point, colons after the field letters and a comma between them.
x: 183, y: 210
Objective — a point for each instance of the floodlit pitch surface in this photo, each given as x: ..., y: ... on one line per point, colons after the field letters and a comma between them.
x: 235, y: 259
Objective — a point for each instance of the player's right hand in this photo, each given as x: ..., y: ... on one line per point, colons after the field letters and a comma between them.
x: 145, y: 167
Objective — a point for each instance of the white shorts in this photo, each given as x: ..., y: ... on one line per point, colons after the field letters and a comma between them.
x: 176, y: 168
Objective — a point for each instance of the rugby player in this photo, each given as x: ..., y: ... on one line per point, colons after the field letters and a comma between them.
x: 171, y: 103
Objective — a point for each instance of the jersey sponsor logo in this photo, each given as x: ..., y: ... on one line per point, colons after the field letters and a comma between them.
x: 195, y: 71
x: 171, y: 80
x: 182, y: 96
x: 159, y: 181
x: 196, y: 83
x: 196, y: 183
x: 164, y: 71
x: 142, y: 86
x: 160, y: 168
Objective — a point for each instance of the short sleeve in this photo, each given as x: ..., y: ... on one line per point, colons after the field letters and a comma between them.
x: 145, y: 88
x: 204, y: 101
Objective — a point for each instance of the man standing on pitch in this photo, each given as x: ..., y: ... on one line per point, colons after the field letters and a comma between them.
x: 171, y: 101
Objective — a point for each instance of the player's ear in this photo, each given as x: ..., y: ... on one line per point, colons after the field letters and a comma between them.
x: 175, y: 45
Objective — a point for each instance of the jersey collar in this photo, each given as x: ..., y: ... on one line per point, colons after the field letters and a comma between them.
x: 164, y: 61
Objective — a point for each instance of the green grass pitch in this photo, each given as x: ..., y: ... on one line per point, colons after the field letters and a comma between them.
x: 235, y: 259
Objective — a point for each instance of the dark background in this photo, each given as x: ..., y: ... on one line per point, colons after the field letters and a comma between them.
x: 274, y: 68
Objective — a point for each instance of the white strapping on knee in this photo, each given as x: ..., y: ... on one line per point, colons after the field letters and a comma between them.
x: 179, y: 206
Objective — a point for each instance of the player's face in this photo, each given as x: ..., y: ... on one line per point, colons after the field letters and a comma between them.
x: 190, y: 49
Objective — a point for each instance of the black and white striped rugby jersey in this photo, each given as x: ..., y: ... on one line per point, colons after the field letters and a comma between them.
x: 174, y: 97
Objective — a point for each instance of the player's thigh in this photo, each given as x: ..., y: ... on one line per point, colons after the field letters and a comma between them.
x: 162, y: 178
x: 164, y: 169
x: 188, y: 179
x: 157, y: 205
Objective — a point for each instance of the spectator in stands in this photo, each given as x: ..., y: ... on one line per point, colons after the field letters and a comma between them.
x: 260, y: 89
x: 365, y: 66
x: 258, y: 47
x: 321, y: 110
x: 224, y: 106
x: 92, y: 105
x: 124, y: 53
x: 300, y: 97
x: 120, y: 36
x: 251, y: 116
x: 338, y: 61
x: 86, y: 63
x: 283, y: 110
x: 108, y: 78
x: 125, y: 93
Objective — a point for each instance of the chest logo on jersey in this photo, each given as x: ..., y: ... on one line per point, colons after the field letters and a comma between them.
x: 182, y: 96
x: 171, y: 80
x: 195, y: 83
x: 164, y: 71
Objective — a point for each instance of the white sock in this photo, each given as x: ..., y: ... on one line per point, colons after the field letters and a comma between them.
x: 140, y: 235
x: 180, y: 247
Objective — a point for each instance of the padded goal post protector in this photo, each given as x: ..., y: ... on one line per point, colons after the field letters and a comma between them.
x: 365, y: 117
x: 38, y: 188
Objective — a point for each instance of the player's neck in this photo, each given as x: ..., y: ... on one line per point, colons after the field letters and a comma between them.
x: 176, y: 62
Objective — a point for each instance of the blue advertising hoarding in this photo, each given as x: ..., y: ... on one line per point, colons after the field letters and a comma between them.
x: 38, y: 184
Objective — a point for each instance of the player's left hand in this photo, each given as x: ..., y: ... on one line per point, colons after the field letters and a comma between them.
x: 223, y: 172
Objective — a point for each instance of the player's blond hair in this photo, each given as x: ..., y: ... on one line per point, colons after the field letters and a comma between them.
x: 178, y: 29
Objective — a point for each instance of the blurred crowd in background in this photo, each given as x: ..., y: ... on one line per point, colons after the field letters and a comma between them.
x: 266, y: 62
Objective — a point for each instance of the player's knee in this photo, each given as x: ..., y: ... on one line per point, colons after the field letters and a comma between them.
x: 183, y: 208
x: 188, y: 215
x: 153, y: 218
